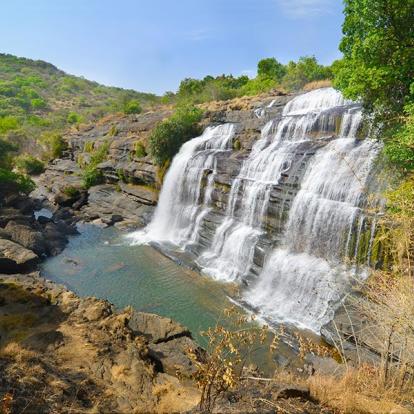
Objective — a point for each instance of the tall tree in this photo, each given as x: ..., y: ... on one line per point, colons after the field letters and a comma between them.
x: 378, y: 48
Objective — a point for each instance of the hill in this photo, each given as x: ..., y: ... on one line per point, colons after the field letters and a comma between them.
x: 36, y: 97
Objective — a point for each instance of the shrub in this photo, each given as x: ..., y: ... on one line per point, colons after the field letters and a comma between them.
x: 258, y: 85
x: 38, y: 103
x: 168, y: 136
x: 28, y: 164
x: 92, y: 175
x: 88, y: 146
x: 73, y: 118
x: 53, y: 143
x: 8, y: 123
x: 14, y: 181
x: 139, y: 150
x: 113, y: 131
x: 132, y: 107
x: 71, y: 191
x: 5, y: 148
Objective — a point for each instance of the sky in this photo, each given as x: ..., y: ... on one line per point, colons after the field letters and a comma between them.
x: 151, y: 45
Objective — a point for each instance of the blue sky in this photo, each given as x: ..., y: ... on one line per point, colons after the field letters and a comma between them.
x: 151, y: 45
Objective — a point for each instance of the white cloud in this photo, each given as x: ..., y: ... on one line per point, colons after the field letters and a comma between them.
x: 299, y: 9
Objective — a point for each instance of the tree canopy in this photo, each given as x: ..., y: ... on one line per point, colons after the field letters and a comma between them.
x: 378, y: 49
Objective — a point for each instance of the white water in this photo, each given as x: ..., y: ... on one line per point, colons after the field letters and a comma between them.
x: 180, y: 206
x: 305, y: 275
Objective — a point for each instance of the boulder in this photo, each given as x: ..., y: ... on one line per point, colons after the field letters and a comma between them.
x: 156, y: 328
x: 15, y: 258
x: 173, y: 356
x: 27, y: 237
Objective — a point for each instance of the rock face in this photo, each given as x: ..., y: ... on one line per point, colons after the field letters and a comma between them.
x: 156, y: 328
x: 15, y: 258
x: 131, y: 180
x: 82, y: 354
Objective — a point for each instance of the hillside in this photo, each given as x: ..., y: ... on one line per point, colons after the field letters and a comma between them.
x: 35, y: 97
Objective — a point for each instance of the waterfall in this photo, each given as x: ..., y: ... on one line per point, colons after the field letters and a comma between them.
x: 181, y: 205
x: 304, y: 271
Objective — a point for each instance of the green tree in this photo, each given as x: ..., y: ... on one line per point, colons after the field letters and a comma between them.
x: 168, y: 136
x: 271, y: 68
x: 378, y: 48
x: 306, y: 69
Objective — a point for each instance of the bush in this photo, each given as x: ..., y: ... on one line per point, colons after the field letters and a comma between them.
x: 8, y: 123
x: 132, y: 107
x: 71, y: 191
x: 5, y: 148
x: 92, y: 175
x: 28, y: 164
x: 38, y: 103
x: 73, y: 118
x: 10, y: 181
x: 139, y: 150
x: 168, y: 136
x: 53, y: 143
x: 399, y: 147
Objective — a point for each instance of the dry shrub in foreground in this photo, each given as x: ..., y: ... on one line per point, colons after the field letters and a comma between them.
x: 229, y: 351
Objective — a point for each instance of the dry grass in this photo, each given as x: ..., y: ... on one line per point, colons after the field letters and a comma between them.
x: 325, y: 83
x: 359, y: 391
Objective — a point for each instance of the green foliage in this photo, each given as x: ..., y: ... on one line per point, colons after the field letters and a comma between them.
x: 38, y: 103
x: 113, y: 131
x: 208, y: 89
x: 168, y: 136
x: 71, y: 191
x: 399, y: 146
x: 15, y: 182
x: 36, y: 97
x: 91, y: 174
x: 73, y: 118
x: 378, y: 48
x: 88, y: 146
x: 257, y: 86
x: 271, y: 68
x: 5, y: 148
x: 139, y: 150
x: 305, y: 70
x: 132, y: 107
x: 8, y: 123
x: 53, y: 143
x: 28, y: 164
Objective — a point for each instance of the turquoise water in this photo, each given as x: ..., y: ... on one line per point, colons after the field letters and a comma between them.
x: 100, y: 262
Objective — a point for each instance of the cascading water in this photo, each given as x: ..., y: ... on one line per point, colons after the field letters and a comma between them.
x: 182, y: 202
x: 304, y: 272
